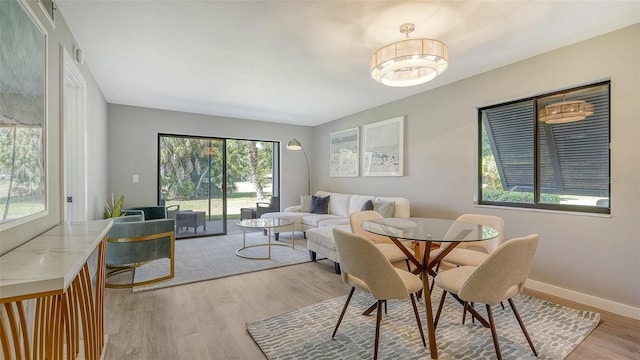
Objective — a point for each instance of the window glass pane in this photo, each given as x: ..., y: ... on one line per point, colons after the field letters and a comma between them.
x: 550, y: 151
x: 507, y: 153
x: 22, y: 180
x: 574, y: 147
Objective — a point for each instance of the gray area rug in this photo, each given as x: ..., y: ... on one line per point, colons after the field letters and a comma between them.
x: 306, y: 333
x: 207, y: 258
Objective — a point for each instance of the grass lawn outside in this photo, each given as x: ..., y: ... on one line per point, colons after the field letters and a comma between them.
x: 234, y: 203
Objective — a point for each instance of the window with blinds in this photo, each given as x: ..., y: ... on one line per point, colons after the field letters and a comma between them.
x: 549, y: 151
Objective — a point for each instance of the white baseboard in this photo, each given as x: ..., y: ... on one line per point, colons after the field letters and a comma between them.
x: 585, y: 299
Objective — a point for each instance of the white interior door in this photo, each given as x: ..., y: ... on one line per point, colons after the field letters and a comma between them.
x: 74, y: 103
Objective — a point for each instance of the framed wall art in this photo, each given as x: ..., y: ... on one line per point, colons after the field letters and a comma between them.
x: 344, y: 153
x: 383, y: 148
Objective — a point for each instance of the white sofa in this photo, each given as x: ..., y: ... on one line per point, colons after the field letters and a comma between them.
x: 318, y: 227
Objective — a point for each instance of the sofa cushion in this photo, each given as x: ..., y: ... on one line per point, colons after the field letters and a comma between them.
x: 384, y: 208
x: 294, y: 216
x: 320, y: 205
x: 357, y: 201
x: 324, y: 236
x: 333, y: 222
x: 339, y: 204
x: 314, y: 220
x: 402, y: 206
x: 367, y: 206
x: 305, y: 203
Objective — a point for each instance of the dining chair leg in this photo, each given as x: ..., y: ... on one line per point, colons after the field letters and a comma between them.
x: 408, y: 265
x: 435, y: 321
x: 524, y: 330
x: 415, y: 311
x: 464, y: 312
x: 473, y: 319
x: 344, y: 309
x: 378, y: 318
x: 492, y: 324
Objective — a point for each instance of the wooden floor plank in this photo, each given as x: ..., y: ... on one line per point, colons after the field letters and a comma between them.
x: 206, y: 320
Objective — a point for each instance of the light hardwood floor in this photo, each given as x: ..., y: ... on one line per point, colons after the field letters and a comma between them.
x: 206, y: 320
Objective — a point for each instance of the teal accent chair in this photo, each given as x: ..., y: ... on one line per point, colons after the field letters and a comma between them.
x: 149, y: 212
x: 133, y: 241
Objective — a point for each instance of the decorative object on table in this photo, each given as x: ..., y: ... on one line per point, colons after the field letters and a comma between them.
x: 113, y: 209
x: 365, y: 267
x: 500, y: 277
x: 556, y: 330
x: 384, y: 148
x: 295, y: 145
x: 344, y: 156
x: 411, y: 61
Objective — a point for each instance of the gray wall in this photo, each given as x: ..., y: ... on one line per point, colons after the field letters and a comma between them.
x: 96, y: 139
x: 133, y: 143
x: 591, y: 259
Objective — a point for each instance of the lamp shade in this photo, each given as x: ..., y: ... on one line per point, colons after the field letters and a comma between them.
x: 294, y: 144
x: 566, y: 112
x: 409, y: 62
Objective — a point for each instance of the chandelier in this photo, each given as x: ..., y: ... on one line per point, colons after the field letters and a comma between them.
x: 566, y: 112
x: 409, y: 62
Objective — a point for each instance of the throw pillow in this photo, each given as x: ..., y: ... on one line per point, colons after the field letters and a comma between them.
x: 385, y: 208
x: 319, y: 205
x: 368, y: 205
x: 305, y: 203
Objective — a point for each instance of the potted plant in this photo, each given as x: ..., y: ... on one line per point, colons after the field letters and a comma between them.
x: 114, y: 209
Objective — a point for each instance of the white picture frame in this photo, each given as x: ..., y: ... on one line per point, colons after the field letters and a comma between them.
x: 383, y: 148
x: 344, y: 153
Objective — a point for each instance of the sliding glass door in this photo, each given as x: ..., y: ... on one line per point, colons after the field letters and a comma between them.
x: 205, y: 183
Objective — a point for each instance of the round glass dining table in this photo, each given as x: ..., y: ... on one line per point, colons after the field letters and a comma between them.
x: 425, y: 231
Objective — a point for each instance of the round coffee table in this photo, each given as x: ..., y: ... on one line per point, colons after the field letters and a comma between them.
x: 268, y: 223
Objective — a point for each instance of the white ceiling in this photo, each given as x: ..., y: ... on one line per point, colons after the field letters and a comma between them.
x: 307, y: 62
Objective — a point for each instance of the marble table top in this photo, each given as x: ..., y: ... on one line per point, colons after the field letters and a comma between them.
x: 49, y: 262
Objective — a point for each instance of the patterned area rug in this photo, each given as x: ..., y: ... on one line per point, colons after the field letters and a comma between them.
x: 306, y: 333
x: 213, y: 257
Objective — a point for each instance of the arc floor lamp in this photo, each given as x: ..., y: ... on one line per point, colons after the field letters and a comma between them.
x: 295, y: 145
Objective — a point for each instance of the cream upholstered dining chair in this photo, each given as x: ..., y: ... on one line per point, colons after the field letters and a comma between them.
x: 386, y: 246
x: 365, y: 267
x: 473, y: 253
x: 500, y: 277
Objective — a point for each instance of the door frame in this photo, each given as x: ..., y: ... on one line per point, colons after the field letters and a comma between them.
x: 73, y: 112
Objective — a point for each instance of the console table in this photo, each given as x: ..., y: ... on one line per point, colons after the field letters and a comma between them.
x: 52, y: 306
